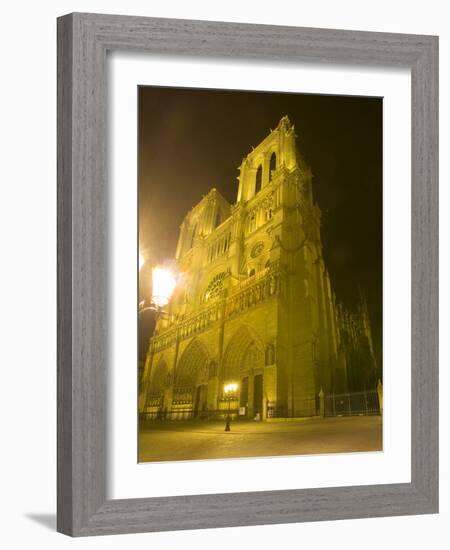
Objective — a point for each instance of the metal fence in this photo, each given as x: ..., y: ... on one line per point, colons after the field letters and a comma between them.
x: 352, y: 404
x: 188, y: 414
x: 363, y: 403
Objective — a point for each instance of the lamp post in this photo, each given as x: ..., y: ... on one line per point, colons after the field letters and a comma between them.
x: 163, y: 285
x: 229, y: 390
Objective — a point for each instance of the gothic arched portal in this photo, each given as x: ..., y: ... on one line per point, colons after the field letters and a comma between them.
x: 243, y: 364
x: 242, y: 355
x: 192, y: 371
x: 158, y: 383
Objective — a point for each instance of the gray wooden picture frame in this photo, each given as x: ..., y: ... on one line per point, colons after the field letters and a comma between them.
x: 83, y: 240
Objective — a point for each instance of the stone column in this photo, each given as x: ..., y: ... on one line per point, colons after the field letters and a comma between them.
x: 265, y: 169
x: 213, y: 393
x: 236, y: 244
x: 251, y: 385
x: 181, y: 240
x: 264, y: 407
x: 241, y: 178
x: 169, y: 395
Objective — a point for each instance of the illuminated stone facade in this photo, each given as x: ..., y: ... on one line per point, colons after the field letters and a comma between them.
x: 255, y: 304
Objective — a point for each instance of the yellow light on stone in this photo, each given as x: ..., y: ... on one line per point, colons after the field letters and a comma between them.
x: 141, y: 261
x: 163, y: 286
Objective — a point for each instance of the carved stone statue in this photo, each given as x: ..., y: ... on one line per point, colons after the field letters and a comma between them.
x: 270, y: 354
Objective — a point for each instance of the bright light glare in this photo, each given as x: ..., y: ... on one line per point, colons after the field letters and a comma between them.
x: 163, y: 286
x: 141, y: 261
x: 228, y: 388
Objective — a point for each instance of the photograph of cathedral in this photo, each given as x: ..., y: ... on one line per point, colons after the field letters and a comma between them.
x: 241, y: 328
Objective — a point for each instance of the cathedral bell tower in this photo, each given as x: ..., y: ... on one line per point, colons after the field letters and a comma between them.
x: 255, y: 304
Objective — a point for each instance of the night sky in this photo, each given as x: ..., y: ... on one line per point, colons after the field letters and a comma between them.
x: 191, y: 140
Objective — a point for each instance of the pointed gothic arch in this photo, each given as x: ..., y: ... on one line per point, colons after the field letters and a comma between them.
x: 243, y: 354
x: 258, y: 179
x: 192, y: 370
x: 158, y: 384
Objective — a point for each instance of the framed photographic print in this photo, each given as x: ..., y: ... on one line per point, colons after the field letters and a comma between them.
x: 247, y: 274
x: 246, y: 327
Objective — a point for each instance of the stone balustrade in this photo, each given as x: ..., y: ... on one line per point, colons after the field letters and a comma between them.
x: 248, y: 293
x: 251, y: 294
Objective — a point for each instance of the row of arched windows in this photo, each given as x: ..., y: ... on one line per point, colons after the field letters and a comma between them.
x: 272, y: 167
x: 219, y: 247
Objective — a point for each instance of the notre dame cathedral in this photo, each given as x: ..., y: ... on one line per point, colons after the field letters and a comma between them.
x: 255, y: 305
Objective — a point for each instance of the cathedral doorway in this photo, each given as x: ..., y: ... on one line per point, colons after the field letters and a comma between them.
x: 258, y: 395
x: 191, y: 378
x: 243, y: 361
x: 243, y: 398
x: 200, y: 400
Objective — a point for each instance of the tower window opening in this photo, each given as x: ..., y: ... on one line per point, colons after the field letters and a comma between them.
x: 258, y: 181
x: 273, y: 165
x: 251, y: 222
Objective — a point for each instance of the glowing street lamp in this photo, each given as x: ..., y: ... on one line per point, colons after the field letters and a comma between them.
x: 230, y: 391
x: 230, y: 388
x: 164, y: 283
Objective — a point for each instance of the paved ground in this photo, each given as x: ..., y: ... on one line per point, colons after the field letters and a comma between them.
x: 199, y: 440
